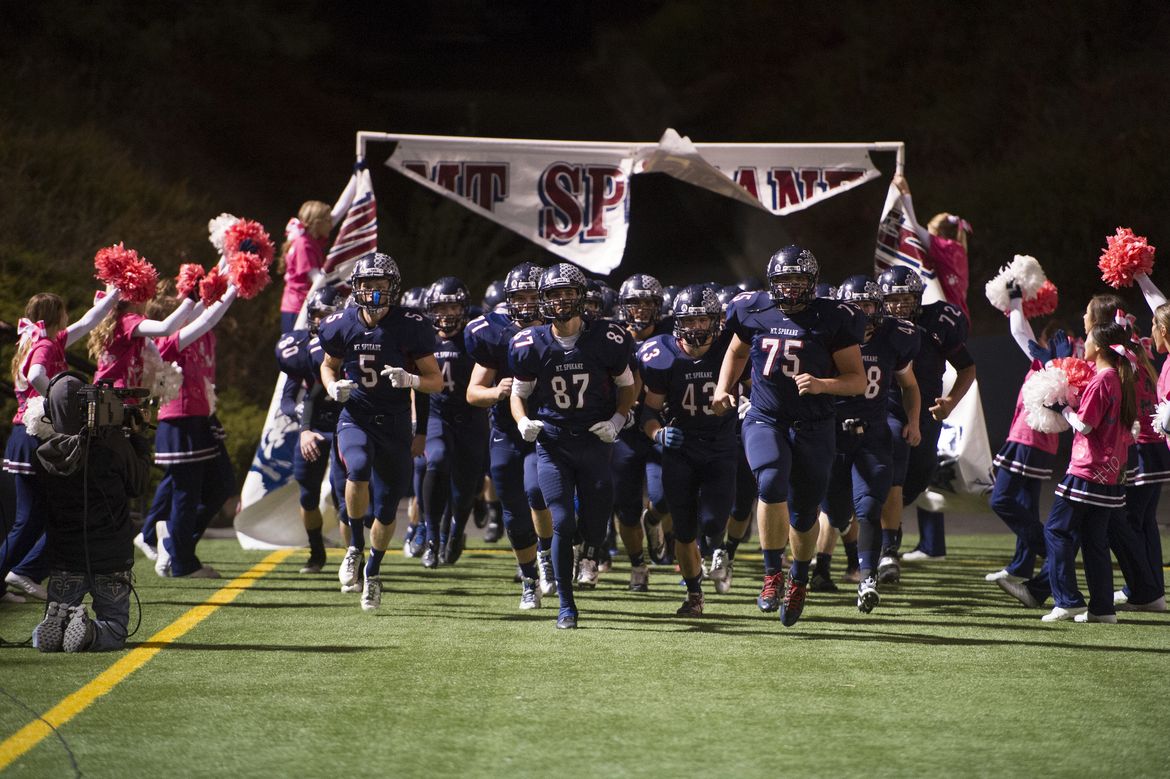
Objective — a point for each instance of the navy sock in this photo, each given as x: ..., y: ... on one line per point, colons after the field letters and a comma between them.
x: 731, y: 546
x: 374, y: 563
x: 694, y: 583
x: 799, y: 571
x: 562, y: 560
x: 528, y: 570
x: 824, y: 564
x: 316, y: 544
x: 357, y: 532
x: 637, y: 560
x: 889, y: 539
x: 851, y: 555
x: 773, y: 561
x: 544, y: 544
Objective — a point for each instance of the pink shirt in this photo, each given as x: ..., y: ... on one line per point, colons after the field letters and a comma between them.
x: 48, y: 352
x: 1101, y: 455
x: 1020, y: 433
x: 950, y: 264
x: 198, y: 364
x: 121, y: 362
x: 1164, y: 380
x: 305, y: 254
x: 1146, y: 395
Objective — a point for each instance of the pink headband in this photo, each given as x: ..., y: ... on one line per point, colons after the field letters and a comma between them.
x: 963, y: 224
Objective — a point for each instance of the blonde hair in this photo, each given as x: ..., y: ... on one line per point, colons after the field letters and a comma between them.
x: 946, y: 225
x: 317, y: 217
x: 164, y: 302
x: 101, y: 336
x: 42, y: 307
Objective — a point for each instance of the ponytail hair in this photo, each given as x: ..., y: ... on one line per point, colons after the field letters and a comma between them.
x: 101, y: 336
x: 1102, y: 309
x: 1106, y: 336
x: 43, y: 307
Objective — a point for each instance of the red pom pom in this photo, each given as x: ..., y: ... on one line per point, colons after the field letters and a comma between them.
x: 134, y: 276
x: 212, y: 287
x: 1043, y: 304
x: 249, y: 272
x: 1078, y: 371
x: 1125, y: 256
x: 248, y: 236
x: 190, y: 274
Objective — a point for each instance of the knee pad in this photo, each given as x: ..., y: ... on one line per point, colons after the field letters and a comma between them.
x: 536, y: 500
x: 772, y: 485
x: 310, y: 497
x: 520, y: 534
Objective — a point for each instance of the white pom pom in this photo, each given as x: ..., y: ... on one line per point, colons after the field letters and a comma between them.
x: 1028, y: 274
x: 1135, y: 429
x: 34, y: 420
x: 1161, y: 417
x: 217, y: 227
x: 997, y: 289
x: 168, y: 383
x: 1044, y: 388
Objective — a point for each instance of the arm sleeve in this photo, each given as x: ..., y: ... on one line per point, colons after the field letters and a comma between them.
x: 1021, y: 329
x: 89, y: 320
x: 312, y: 398
x: 207, y: 320
x: 422, y: 410
x: 288, y: 398
x: 922, y: 232
x: 1150, y: 291
x: 153, y: 328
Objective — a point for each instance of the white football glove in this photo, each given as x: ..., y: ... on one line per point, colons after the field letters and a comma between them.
x: 607, y: 431
x: 745, y: 405
x: 530, y: 428
x: 400, y: 378
x: 340, y: 389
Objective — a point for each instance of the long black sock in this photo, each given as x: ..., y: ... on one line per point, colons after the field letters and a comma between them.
x: 824, y: 565
x: 316, y: 544
x: 851, y: 555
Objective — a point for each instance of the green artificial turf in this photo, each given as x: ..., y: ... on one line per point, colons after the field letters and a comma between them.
x: 948, y: 676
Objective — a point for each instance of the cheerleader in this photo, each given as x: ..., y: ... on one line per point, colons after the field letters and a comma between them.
x: 119, y: 342
x: 1025, y: 460
x: 45, y: 334
x: 1092, y: 494
x: 189, y: 445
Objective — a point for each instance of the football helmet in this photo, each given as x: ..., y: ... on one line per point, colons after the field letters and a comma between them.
x: 640, y: 301
x: 562, y: 276
x: 375, y: 266
x: 524, y: 278
x: 792, y: 277
x: 903, y: 282
x: 689, y: 305
x: 447, y: 290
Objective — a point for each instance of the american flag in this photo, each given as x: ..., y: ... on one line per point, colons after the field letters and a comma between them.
x: 359, y: 230
x: 897, y: 242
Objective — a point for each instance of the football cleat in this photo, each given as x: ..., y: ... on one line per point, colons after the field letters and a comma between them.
x: 408, y: 548
x: 454, y: 549
x: 548, y: 580
x: 889, y: 571
x: 793, y: 604
x: 494, y: 530
x: 867, y: 595
x: 769, y: 597
x: 720, y: 571
x: 372, y: 594
x: 148, y: 550
x: 430, y: 556
x: 655, y: 539
x: 820, y: 582
x: 479, y: 512
x: 692, y: 606
x: 350, y: 568
x: 530, y: 595
x: 640, y: 579
x: 48, y: 635
x: 587, y: 573
x: 79, y: 632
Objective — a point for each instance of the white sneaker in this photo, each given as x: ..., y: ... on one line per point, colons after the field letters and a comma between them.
x: 1088, y: 616
x: 148, y: 550
x: 548, y: 580
x: 587, y: 573
x: 372, y: 594
x: 918, y: 556
x: 162, y: 558
x: 1059, y: 614
x: 1019, y: 591
x: 26, y: 586
x: 530, y: 595
x: 1003, y: 574
x: 347, y: 573
x: 1120, y: 598
x: 1158, y: 605
x: 640, y: 579
x: 867, y: 595
x: 720, y: 572
x: 205, y: 572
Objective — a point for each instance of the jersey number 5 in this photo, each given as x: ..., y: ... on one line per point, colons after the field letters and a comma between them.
x: 790, y: 360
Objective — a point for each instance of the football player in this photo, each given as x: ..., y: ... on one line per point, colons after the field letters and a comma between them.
x: 573, y: 390
x: 803, y: 350
x: 527, y: 520
x: 375, y: 354
x: 697, y: 446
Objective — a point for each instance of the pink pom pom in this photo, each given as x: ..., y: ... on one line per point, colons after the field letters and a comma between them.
x: 249, y: 272
x: 1125, y: 256
x: 248, y: 236
x: 1079, y: 373
x: 212, y: 287
x: 134, y: 276
x: 190, y: 274
x: 1043, y: 304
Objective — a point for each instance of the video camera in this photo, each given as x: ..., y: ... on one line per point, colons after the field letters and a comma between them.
x: 105, y: 405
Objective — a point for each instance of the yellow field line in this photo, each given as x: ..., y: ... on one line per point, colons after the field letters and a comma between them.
x: 31, y: 734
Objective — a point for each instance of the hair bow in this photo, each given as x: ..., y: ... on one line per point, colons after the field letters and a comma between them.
x: 963, y: 224
x: 27, y: 330
x: 294, y: 229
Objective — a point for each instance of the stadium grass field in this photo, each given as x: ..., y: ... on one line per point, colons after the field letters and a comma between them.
x: 949, y: 676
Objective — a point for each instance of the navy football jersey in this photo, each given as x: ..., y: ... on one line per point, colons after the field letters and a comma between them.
x: 889, y: 350
x: 784, y: 346
x: 574, y: 386
x: 943, y: 331
x: 455, y: 365
x: 400, y: 338
x: 688, y: 386
x: 299, y: 356
x: 486, y: 339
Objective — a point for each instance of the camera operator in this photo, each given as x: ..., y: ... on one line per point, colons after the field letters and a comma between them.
x: 96, y: 461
